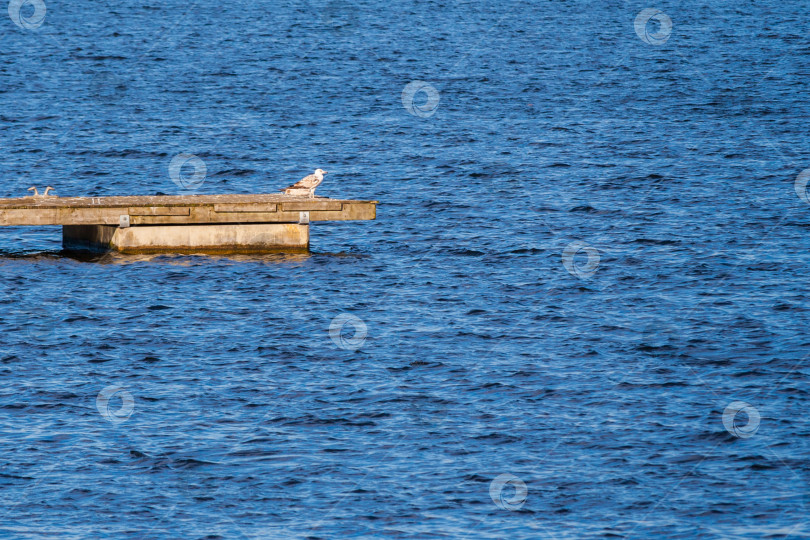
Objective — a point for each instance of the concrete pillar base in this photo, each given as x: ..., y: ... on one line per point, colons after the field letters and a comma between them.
x: 213, y: 238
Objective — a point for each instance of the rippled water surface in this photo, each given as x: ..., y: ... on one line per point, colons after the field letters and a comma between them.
x: 581, y: 311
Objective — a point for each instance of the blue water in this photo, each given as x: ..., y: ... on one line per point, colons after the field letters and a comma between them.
x: 500, y: 386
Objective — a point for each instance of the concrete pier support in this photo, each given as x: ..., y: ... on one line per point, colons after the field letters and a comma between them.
x: 212, y: 238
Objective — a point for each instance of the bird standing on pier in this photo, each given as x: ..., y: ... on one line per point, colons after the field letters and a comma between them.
x: 37, y: 194
x: 308, y: 183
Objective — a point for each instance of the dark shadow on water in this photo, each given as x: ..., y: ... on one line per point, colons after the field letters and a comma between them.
x: 171, y: 258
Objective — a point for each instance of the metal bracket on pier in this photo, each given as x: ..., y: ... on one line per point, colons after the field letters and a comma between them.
x: 303, y: 218
x: 123, y: 221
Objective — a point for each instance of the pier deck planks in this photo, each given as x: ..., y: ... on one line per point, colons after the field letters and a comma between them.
x: 180, y: 209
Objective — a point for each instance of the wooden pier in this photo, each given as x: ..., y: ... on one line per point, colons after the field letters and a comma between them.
x: 184, y: 223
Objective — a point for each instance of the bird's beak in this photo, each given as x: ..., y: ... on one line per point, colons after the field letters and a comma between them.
x: 324, y: 172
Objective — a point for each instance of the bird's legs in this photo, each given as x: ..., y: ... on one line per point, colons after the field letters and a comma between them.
x: 39, y: 195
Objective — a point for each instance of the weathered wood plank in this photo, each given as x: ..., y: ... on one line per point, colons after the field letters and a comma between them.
x: 179, y: 210
x: 307, y: 206
x: 260, y: 207
x: 160, y: 211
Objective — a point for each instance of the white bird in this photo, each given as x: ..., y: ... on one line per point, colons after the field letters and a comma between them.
x: 308, y: 183
x: 36, y: 192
